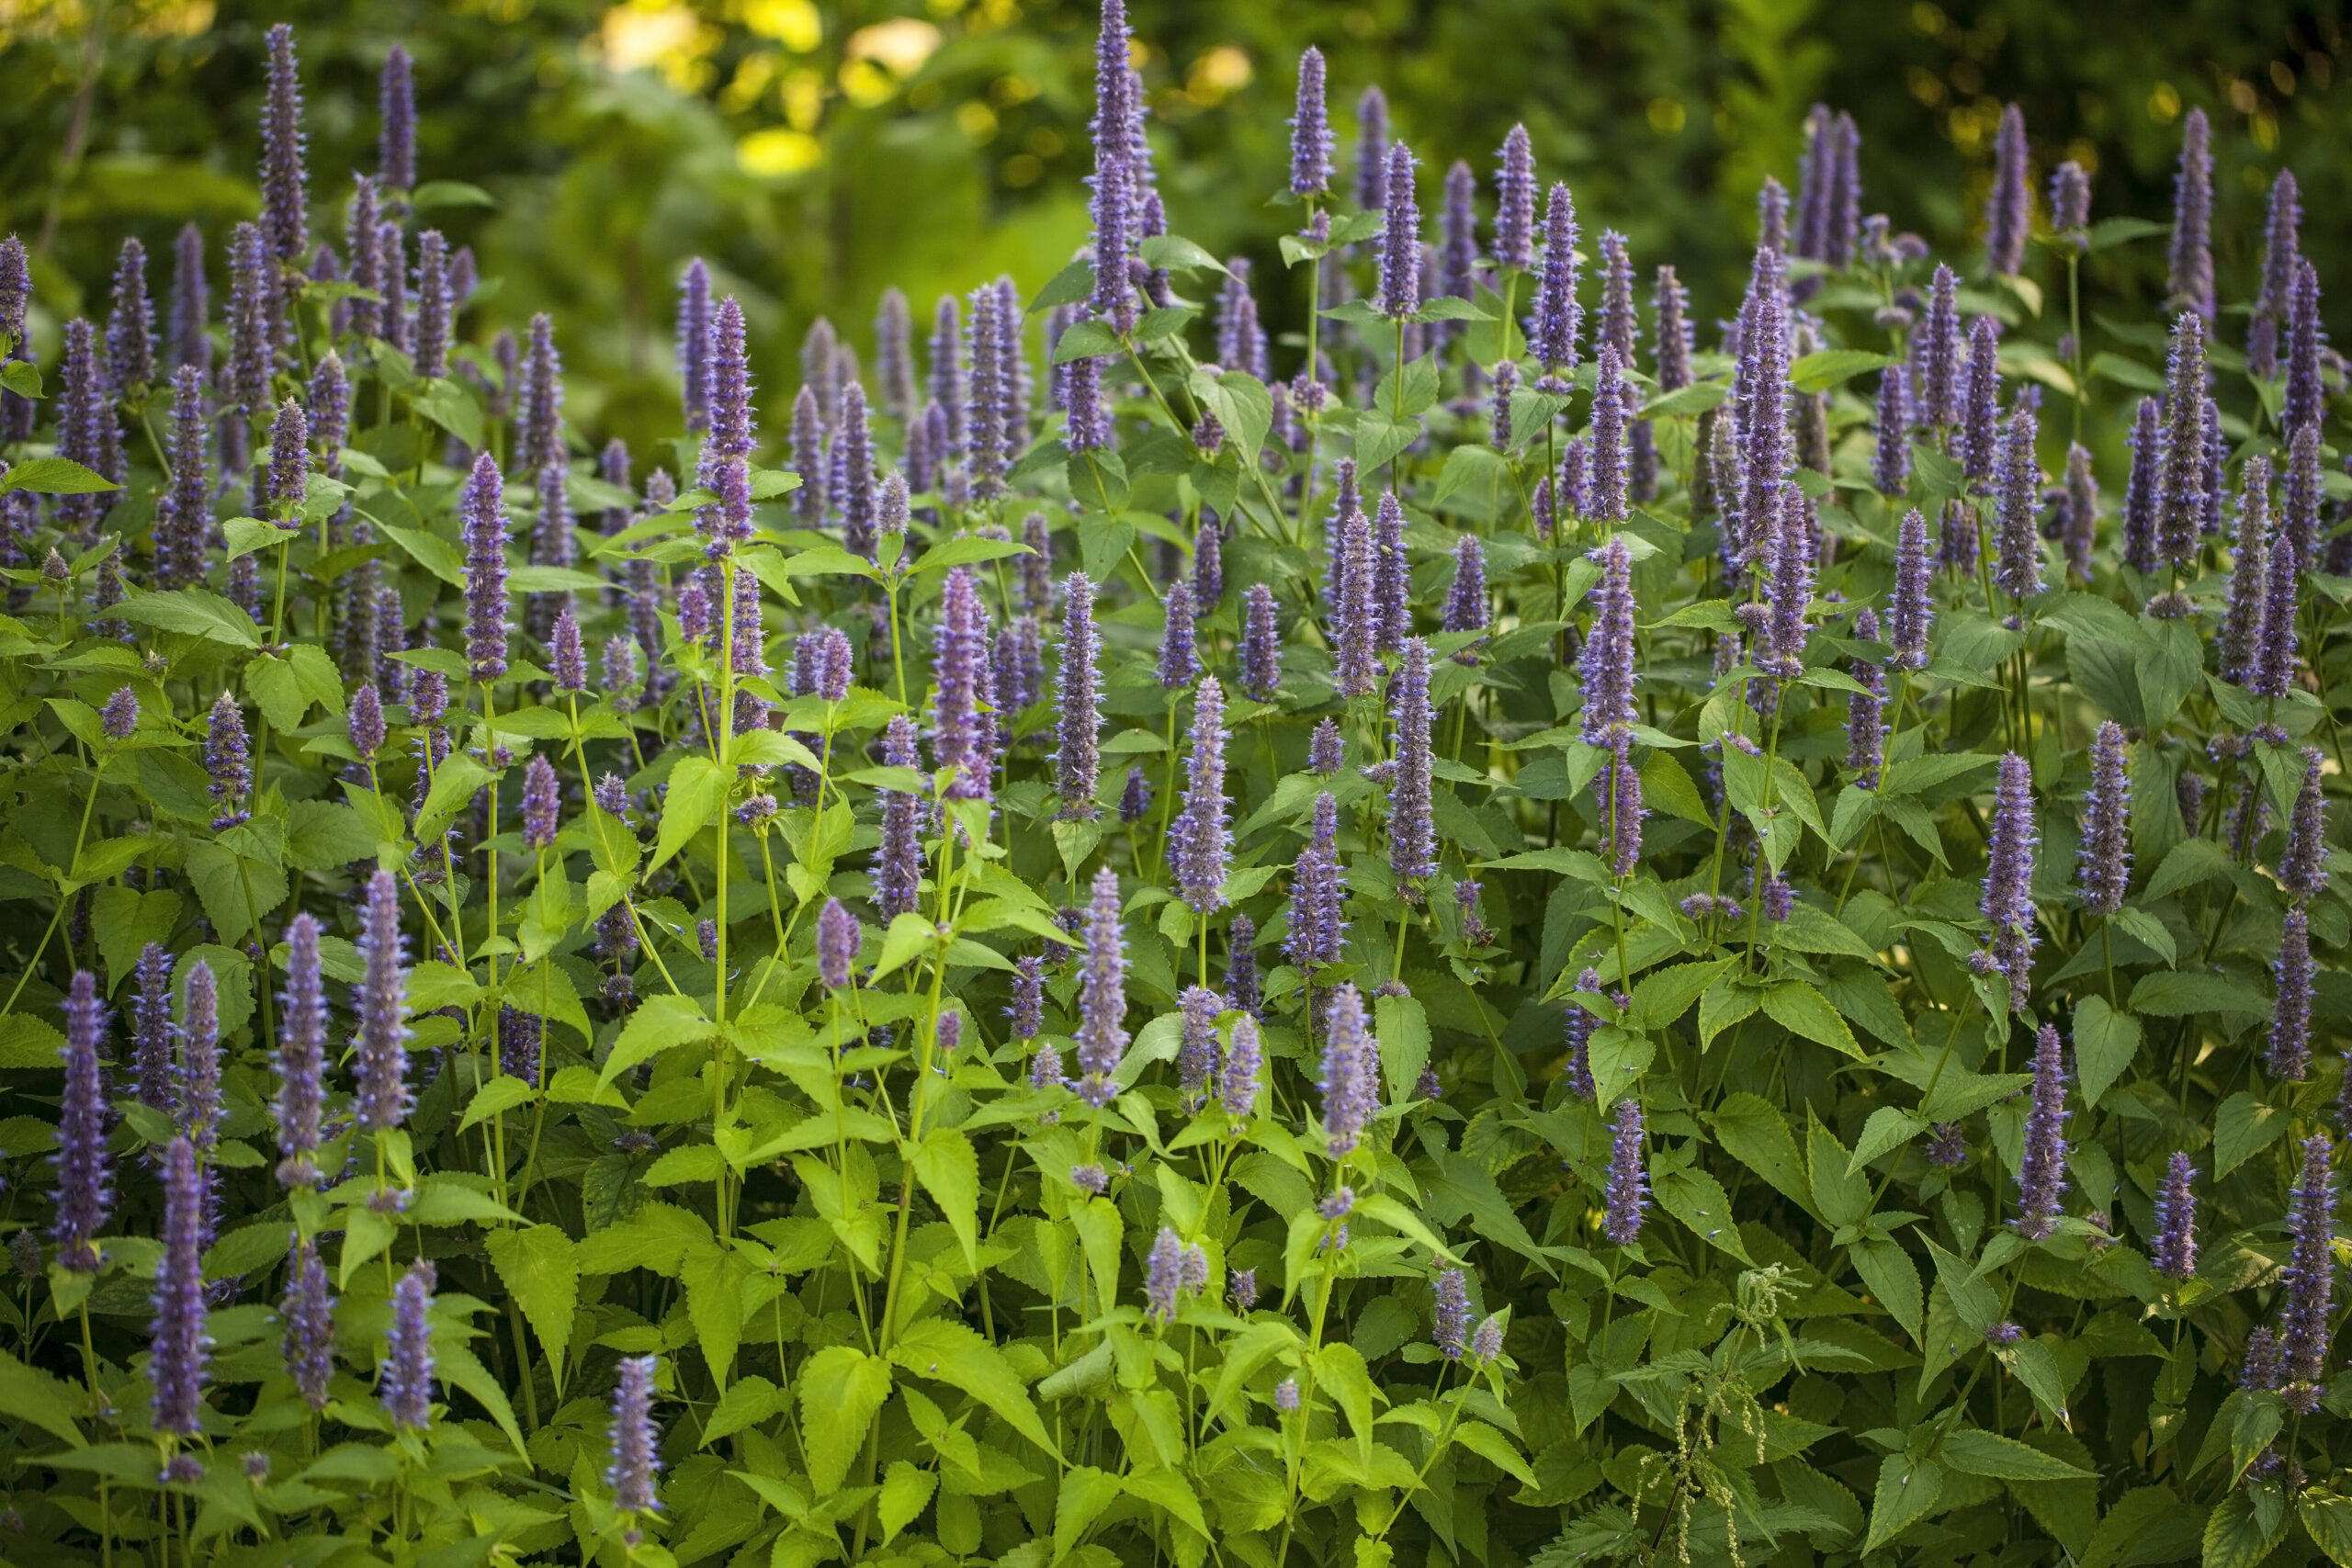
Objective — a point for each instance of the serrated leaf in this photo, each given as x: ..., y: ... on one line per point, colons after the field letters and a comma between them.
x: 1973, y: 1451
x: 953, y: 1353
x: 540, y: 1269
x: 840, y: 1390
x: 1907, y: 1491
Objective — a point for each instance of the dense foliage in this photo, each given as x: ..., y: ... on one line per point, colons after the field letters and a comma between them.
x: 1524, y: 945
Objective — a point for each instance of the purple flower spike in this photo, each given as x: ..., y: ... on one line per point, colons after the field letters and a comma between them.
x: 226, y: 759
x: 1179, y: 662
x: 1391, y: 603
x: 542, y: 803
x: 2240, y: 642
x: 85, y: 1170
x: 1450, y: 1328
x: 1627, y: 1194
x: 1078, y: 761
x: 307, y: 1311
x: 1351, y: 1081
x: 1318, y: 892
x: 2305, y: 400
x: 1760, y: 391
x: 1552, y: 333
x: 381, y: 1001
x: 1325, y: 748
x: 1981, y: 401
x: 191, y: 310
x: 2174, y: 1253
x: 2281, y: 253
x: 396, y: 122
x: 1197, y: 1056
x: 130, y: 323
x: 570, y: 659
x: 1892, y: 471
x: 119, y: 717
x: 2008, y: 211
x: 2289, y: 1054
x: 1578, y: 1034
x: 636, y: 1440
x: 1610, y: 398
x: 301, y: 1047
x: 1103, y: 993
x: 2190, y: 260
x: 2140, y: 488
x: 694, y: 343
x: 285, y: 189
x: 2273, y: 669
x: 1606, y: 667
x: 2104, y: 872
x: 1116, y: 200
x: 178, y: 1347
x: 1412, y: 833
x: 1200, y: 843
x: 1372, y: 147
x: 434, y: 305
x: 1624, y: 811
x: 153, y: 1031
x: 2007, y: 902
x: 2311, y: 1268
x: 1399, y: 294
x: 404, y: 1375
x: 1465, y: 602
x: 1937, y: 341
x: 2070, y: 203
x: 1866, y: 710
x: 1912, y: 611
x: 837, y: 943
x: 481, y: 509
x: 2042, y: 1173
x: 539, y: 403
x: 1237, y: 1078
x: 1310, y: 130
x: 1515, y: 202
x: 2017, y: 538
x: 184, y: 512
x: 1260, y: 652
x: 2180, y: 480
x: 2303, y: 869
x: 960, y: 729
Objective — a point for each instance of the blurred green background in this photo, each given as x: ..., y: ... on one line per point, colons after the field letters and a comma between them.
x: 815, y: 153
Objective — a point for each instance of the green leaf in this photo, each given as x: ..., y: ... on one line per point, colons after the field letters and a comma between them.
x: 2244, y: 1127
x: 1893, y: 1277
x: 124, y: 921
x: 1496, y: 1450
x: 698, y: 790
x: 1840, y: 1195
x: 1402, y: 1028
x: 501, y: 1093
x: 1086, y: 1492
x: 1697, y: 1200
x: 1696, y: 398
x: 949, y: 1170
x: 662, y: 1022
x: 2238, y: 1535
x: 247, y: 535
x: 840, y: 1390
x: 2104, y: 1042
x: 1753, y: 1131
x: 22, y: 376
x: 953, y: 1353
x: 1799, y: 1007
x: 1907, y: 1491
x: 1890, y: 1127
x: 1820, y: 371
x: 2327, y: 1519
x: 748, y: 1401
x: 1663, y: 996
x: 196, y: 611
x: 54, y: 476
x: 1379, y: 439
x: 30, y: 1394
x: 1974, y: 1452
x: 449, y: 192
x: 540, y: 1269
x: 906, y: 1491
x: 1067, y: 287
x: 431, y: 551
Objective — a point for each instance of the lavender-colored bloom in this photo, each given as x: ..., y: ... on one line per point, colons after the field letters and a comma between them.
x: 1866, y: 710
x: 301, y: 1046
x: 480, y: 508
x: 1078, y: 761
x: 1350, y: 1082
x: 1163, y: 1277
x: 1287, y: 1396
x: 539, y: 404
x: 1457, y: 274
x: 1135, y: 797
x: 2299, y: 515
x: 152, y: 1029
x: 1450, y: 1328
x: 542, y: 803
x: 2239, y: 645
x: 2305, y: 400
x: 2302, y: 870
x: 1610, y: 400
x: 119, y: 717
x: 565, y: 652
x: 1372, y: 147
x: 1892, y: 471
x: 1760, y: 391
x: 404, y: 1375
x: 1506, y: 384
x: 130, y: 323
x: 1627, y: 1193
x: 2190, y: 260
x: 809, y: 458
x: 1412, y: 832
x: 1179, y: 662
x: 1622, y: 810
x: 1028, y: 1010
x: 2104, y: 870
x: 2070, y: 203
x: 1390, y: 604
x: 2042, y: 1173
x: 381, y: 1001
x: 1552, y: 333
x: 946, y: 381
x: 1241, y: 965
x: 179, y: 1348
x: 1317, y: 931
x: 838, y: 938
x: 1208, y: 565
x: 1241, y: 1289
x: 191, y: 302
x: 86, y: 431
x: 1911, y: 611
x: 1325, y: 748
x: 989, y: 390
x: 2079, y: 519
x: 1940, y: 337
x: 1102, y: 993
x: 1980, y: 399
x: 2008, y: 211
x: 2290, y: 1053
x: 226, y: 761
x: 1238, y: 1077
x: 1196, y: 1050
x: 636, y: 1440
x: 2016, y: 553
x: 2174, y: 1252
x: 1117, y: 225
x: 85, y: 1170
x: 253, y: 320
x: 2260, y: 1370
x: 1792, y: 547
x: 959, y: 664
x: 184, y: 512
x: 2181, y: 499
x: 362, y: 239
x: 1310, y: 130
x: 893, y: 353
x: 289, y: 460
x: 430, y: 340
x: 1606, y: 664
x: 2311, y: 1268
x: 1200, y: 843
x: 1399, y: 292
x: 2007, y: 902
x: 285, y: 192
x: 307, y: 1311
x: 1947, y: 1146
x: 693, y: 334
x: 1261, y: 651
x: 396, y: 119
x: 1515, y: 202
x: 2281, y: 254
x: 1465, y: 602
x: 1578, y: 1033
x: 2140, y: 490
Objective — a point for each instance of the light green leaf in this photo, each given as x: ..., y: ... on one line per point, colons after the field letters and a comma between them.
x: 906, y: 1490
x: 2244, y: 1127
x: 30, y: 1394
x: 540, y: 1269
x: 196, y: 612
x: 1753, y: 1131
x: 953, y: 1353
x: 949, y: 1170
x: 841, y: 1389
x: 2104, y: 1042
x: 698, y: 789
x: 1974, y: 1452
x: 501, y: 1093
x: 1907, y: 1491
x: 661, y: 1023
x: 1799, y: 1007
